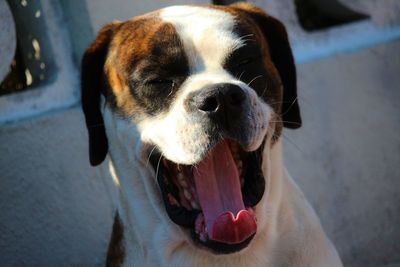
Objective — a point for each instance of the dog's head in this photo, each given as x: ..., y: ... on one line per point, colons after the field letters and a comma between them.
x: 206, y: 86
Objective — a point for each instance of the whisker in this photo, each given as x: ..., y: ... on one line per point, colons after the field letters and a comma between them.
x: 265, y: 89
x: 243, y: 38
x: 291, y: 105
x: 241, y: 74
x: 158, y: 165
x: 247, y: 35
x: 241, y: 41
x: 255, y: 78
x: 292, y: 142
x: 172, y: 89
x: 151, y: 152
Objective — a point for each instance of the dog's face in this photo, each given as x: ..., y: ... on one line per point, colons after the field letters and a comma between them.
x: 207, y: 87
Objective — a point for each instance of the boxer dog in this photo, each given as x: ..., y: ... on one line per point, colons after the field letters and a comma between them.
x: 189, y: 102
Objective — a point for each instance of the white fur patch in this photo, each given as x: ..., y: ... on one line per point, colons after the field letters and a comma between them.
x: 206, y: 34
x: 208, y: 39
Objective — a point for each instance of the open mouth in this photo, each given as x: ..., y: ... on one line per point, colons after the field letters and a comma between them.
x: 214, y: 198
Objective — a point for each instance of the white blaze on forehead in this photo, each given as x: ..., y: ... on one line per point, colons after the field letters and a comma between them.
x: 208, y: 38
x: 206, y: 33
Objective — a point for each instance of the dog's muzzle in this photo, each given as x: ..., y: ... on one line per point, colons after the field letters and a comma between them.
x: 215, y: 196
x: 222, y: 106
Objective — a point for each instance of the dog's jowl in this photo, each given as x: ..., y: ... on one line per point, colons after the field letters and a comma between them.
x: 185, y: 107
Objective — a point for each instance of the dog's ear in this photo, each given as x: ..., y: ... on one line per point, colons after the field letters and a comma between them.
x: 92, y: 69
x: 281, y: 55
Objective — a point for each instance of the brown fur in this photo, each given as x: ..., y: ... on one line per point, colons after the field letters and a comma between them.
x: 116, y: 251
x: 121, y: 50
x: 281, y: 55
x: 136, y: 53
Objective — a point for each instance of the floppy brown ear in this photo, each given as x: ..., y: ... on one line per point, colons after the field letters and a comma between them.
x: 92, y: 69
x: 281, y: 55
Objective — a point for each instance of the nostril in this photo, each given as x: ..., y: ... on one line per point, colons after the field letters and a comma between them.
x: 236, y: 97
x: 210, y: 104
x: 217, y: 100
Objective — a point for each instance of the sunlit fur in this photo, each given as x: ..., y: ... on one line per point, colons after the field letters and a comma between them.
x: 288, y: 231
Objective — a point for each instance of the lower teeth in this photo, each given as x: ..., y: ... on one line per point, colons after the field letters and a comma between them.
x: 188, y: 196
x: 183, y: 183
x: 194, y: 204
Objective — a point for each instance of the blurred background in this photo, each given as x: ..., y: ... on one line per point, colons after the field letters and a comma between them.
x: 55, y: 211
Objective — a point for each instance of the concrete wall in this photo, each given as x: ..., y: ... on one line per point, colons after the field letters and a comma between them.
x: 85, y: 18
x: 7, y: 37
x: 346, y: 157
x: 55, y: 211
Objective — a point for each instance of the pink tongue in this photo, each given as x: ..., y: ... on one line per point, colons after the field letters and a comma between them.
x: 218, y: 188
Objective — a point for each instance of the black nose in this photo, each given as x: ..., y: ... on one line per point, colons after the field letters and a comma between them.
x: 222, y: 103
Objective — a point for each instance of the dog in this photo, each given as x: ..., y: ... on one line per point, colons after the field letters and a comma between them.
x: 189, y: 102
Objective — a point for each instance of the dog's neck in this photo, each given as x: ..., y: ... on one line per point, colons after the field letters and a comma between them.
x: 158, y: 241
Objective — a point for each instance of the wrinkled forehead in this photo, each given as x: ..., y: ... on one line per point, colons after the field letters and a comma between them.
x: 207, y: 34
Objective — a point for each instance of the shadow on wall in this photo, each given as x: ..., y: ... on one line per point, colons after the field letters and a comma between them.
x: 32, y: 63
x: 321, y: 14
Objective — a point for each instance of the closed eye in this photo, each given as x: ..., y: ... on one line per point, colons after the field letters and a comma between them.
x: 160, y: 82
x: 245, y: 62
